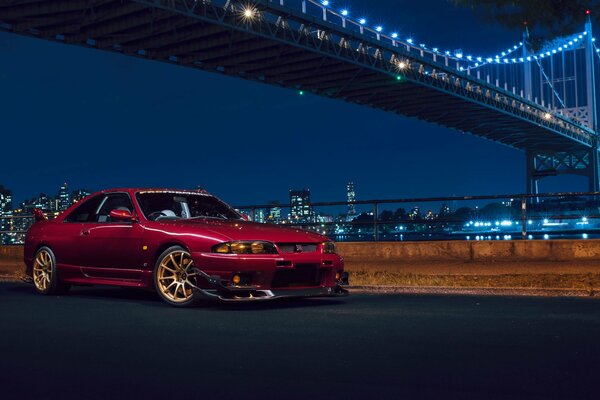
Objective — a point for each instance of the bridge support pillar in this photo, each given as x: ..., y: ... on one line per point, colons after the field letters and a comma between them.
x: 594, y: 169
x: 532, y: 179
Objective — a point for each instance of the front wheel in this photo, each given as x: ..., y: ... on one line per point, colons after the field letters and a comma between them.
x: 45, y: 276
x: 174, y: 276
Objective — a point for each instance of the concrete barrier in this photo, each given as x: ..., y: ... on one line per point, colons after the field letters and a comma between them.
x: 11, y: 261
x: 473, y: 251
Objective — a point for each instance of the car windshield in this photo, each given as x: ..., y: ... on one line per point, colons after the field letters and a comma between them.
x: 158, y: 206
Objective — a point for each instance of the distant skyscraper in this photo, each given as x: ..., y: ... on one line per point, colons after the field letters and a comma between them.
x: 79, y: 194
x: 5, y: 200
x: 43, y: 202
x: 300, y: 202
x: 64, y: 197
x: 351, y: 196
x: 274, y: 214
x: 445, y: 210
x: 259, y: 215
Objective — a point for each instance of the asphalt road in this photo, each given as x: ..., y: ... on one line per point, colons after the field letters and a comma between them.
x: 107, y: 343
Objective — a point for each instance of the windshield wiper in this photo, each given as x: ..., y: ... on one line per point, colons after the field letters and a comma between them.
x: 209, y: 217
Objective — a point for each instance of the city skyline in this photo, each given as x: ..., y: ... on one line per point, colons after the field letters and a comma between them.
x: 104, y: 121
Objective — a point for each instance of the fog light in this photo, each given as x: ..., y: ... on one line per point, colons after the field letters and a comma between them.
x: 236, y: 279
x: 337, y: 276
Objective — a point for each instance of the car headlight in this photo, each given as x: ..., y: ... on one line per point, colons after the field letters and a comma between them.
x: 245, y: 247
x: 328, y: 247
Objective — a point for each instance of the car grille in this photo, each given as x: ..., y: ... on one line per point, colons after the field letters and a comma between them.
x: 297, y: 247
x: 301, y: 275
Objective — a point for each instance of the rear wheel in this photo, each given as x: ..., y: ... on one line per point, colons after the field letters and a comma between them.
x: 45, y: 276
x: 174, y: 276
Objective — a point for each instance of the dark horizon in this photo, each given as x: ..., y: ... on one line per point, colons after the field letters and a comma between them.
x: 99, y: 120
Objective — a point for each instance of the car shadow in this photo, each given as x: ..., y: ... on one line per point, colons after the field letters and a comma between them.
x: 277, y: 304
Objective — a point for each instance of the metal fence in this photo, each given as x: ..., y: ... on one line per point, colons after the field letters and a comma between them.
x: 496, y: 217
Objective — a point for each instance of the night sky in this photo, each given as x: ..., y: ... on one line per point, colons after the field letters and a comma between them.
x: 101, y: 120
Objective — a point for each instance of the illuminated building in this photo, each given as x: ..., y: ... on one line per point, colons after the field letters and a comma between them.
x: 274, y: 214
x: 415, y: 213
x: 300, y: 203
x: 79, y: 194
x: 5, y: 200
x: 64, y: 197
x: 43, y: 202
x: 445, y: 210
x: 351, y: 197
x: 259, y: 215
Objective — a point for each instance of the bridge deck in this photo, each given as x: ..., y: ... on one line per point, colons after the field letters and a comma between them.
x: 212, y: 40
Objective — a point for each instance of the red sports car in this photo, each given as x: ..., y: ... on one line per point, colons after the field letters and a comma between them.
x: 187, y: 245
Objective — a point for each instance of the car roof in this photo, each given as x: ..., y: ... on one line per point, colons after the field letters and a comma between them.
x: 156, y: 190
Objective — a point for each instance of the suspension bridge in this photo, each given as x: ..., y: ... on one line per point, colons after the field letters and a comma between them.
x: 542, y: 102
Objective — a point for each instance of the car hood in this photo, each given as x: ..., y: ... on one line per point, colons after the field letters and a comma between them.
x: 245, y: 230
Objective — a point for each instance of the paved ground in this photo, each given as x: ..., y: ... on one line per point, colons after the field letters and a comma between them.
x: 99, y: 343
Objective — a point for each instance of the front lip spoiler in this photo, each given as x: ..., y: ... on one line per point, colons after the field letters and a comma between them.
x: 250, y: 294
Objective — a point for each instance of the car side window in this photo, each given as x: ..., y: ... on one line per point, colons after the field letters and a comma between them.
x: 114, y: 201
x: 86, y: 211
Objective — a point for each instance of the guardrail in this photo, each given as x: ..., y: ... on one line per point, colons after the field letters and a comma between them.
x: 493, y: 217
x: 573, y: 215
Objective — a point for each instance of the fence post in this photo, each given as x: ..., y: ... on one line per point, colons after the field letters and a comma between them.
x: 375, y: 222
x: 524, y: 218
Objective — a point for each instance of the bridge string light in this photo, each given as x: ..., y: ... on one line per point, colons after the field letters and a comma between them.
x: 249, y: 12
x: 469, y: 62
x: 462, y: 61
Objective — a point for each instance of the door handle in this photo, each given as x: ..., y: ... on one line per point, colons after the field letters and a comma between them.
x: 85, y: 232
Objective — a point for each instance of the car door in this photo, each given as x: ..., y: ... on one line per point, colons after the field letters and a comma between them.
x: 112, y: 248
x: 67, y: 245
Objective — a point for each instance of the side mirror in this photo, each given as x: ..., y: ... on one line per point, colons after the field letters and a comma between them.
x: 122, y: 215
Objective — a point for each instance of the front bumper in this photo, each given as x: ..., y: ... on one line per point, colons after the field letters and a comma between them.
x: 239, y: 296
x: 221, y: 292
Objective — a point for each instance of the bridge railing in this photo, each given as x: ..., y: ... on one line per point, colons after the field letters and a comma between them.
x: 416, y: 61
x: 496, y: 217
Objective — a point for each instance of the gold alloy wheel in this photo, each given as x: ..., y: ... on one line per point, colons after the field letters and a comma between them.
x: 174, y: 274
x: 42, y: 270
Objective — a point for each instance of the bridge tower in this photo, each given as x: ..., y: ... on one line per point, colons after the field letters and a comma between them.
x: 541, y: 163
x: 594, y: 173
x: 532, y: 179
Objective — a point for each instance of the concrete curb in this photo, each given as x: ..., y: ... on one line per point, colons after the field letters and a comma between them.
x: 474, y: 291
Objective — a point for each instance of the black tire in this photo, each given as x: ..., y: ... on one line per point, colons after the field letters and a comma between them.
x: 45, y: 276
x: 173, y: 287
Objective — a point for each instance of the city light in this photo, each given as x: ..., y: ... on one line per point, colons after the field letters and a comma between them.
x: 249, y: 12
x: 481, y: 61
